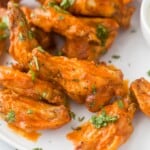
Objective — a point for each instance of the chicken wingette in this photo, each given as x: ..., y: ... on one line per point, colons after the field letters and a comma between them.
x: 29, y: 114
x: 107, y: 130
x: 79, y: 32
x: 106, y: 30
x: 85, y: 82
x: 140, y: 90
x: 52, y: 18
x: 21, y: 37
x: 116, y: 9
x: 28, y: 85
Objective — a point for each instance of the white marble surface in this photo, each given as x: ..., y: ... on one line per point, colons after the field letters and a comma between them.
x: 5, y: 146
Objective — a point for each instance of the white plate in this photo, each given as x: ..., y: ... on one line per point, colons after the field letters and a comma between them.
x: 134, y: 62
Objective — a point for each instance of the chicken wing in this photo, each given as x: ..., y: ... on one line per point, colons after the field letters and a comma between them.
x: 116, y: 9
x: 80, y: 48
x: 21, y: 37
x: 140, y: 90
x: 28, y: 85
x: 31, y: 115
x: 50, y: 18
x: 107, y: 130
x: 85, y: 82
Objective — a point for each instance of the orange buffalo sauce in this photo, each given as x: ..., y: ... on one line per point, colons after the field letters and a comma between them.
x: 33, y: 136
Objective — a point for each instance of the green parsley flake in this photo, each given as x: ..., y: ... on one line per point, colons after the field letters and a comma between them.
x: 102, y: 33
x: 115, y: 56
x: 33, y: 75
x: 148, y: 72
x: 103, y: 120
x: 21, y: 37
x: 57, y: 8
x: 72, y: 115
x: 29, y: 111
x: 30, y: 35
x: 66, y: 3
x: 3, y: 26
x: 21, y: 23
x: 39, y: 48
x: 80, y: 119
x: 4, y: 36
x: 120, y: 104
x: 36, y: 63
x: 10, y: 117
x: 94, y: 90
x: 37, y: 148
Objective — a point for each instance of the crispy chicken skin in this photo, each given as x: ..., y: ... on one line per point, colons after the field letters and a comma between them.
x: 21, y: 37
x: 82, y: 49
x: 109, y: 137
x: 28, y: 114
x: 28, y: 85
x: 116, y: 9
x: 44, y: 39
x: 140, y: 91
x: 85, y: 82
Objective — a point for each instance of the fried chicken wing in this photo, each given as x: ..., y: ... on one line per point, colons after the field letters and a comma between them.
x: 85, y: 82
x: 82, y: 49
x: 53, y: 18
x: 116, y: 9
x: 21, y: 37
x: 140, y: 89
x: 107, y: 130
x: 31, y: 115
x: 28, y: 85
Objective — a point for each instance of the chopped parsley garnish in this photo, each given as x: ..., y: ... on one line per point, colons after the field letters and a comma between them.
x: 94, y: 90
x: 3, y: 26
x: 33, y: 75
x: 39, y: 48
x: 10, y: 117
x: 66, y: 3
x: 36, y: 63
x: 115, y: 56
x: 37, y: 148
x: 29, y: 111
x: 21, y: 37
x: 21, y: 23
x: 148, y: 72
x: 4, y: 36
x: 80, y: 119
x: 57, y: 8
x: 120, y: 104
x: 103, y: 120
x: 102, y: 33
x: 30, y: 35
x: 72, y: 115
